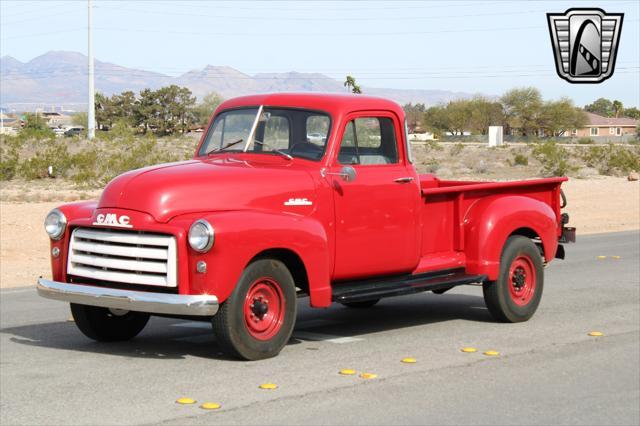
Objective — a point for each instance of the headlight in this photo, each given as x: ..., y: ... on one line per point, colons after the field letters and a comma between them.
x: 55, y: 224
x: 201, y: 236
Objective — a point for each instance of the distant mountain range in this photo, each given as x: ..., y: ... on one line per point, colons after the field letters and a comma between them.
x: 59, y: 78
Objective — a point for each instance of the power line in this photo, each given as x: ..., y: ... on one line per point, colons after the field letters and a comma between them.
x: 37, y: 18
x: 382, y: 76
x: 332, y: 34
x: 294, y: 6
x: 37, y: 9
x: 70, y: 30
x: 333, y: 19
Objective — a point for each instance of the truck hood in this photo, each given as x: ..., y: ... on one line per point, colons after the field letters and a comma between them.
x: 169, y: 190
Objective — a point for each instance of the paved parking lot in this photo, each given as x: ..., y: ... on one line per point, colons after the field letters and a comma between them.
x: 549, y: 370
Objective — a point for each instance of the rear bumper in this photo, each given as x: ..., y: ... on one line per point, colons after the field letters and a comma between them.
x: 568, y: 235
x: 153, y: 303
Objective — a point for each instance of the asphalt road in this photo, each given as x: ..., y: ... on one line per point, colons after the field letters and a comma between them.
x: 549, y: 370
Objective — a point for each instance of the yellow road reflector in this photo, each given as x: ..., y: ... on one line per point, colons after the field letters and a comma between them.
x: 210, y: 406
x: 347, y: 372
x: 469, y: 350
x: 602, y: 257
x: 615, y: 257
x: 268, y: 386
x: 492, y: 353
x: 596, y: 333
x: 409, y: 360
x: 368, y: 376
x: 185, y: 401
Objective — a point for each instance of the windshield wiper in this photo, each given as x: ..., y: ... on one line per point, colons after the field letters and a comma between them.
x: 284, y: 154
x: 222, y: 148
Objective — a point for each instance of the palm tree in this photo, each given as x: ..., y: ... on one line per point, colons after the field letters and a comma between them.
x: 350, y: 84
x: 617, y: 108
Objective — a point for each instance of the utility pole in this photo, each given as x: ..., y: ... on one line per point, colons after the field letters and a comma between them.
x: 91, y: 119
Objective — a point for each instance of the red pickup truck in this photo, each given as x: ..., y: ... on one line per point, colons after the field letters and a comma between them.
x: 292, y: 194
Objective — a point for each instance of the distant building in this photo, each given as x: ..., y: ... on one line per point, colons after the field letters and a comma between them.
x: 10, y: 124
x: 421, y: 137
x: 598, y: 126
x: 56, y: 119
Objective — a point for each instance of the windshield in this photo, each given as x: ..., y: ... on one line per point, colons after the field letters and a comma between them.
x: 278, y: 131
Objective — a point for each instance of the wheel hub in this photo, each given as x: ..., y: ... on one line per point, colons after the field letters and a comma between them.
x: 264, y: 308
x: 522, y: 274
x: 259, y: 307
x: 519, y: 279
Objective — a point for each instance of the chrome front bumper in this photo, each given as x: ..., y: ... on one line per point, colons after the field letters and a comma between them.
x: 153, y: 303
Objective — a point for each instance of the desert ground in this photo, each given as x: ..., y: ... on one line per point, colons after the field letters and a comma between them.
x: 596, y: 205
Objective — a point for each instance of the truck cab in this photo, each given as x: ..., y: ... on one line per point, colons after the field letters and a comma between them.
x: 289, y: 195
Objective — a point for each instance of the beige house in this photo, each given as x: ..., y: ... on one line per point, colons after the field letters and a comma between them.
x: 605, y: 126
x: 55, y: 119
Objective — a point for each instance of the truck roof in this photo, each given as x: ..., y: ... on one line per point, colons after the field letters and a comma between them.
x: 332, y: 103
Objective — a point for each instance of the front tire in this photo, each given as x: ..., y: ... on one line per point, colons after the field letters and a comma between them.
x: 515, y: 296
x: 106, y: 325
x: 257, y: 320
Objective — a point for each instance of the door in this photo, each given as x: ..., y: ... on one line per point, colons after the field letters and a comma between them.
x: 376, y: 213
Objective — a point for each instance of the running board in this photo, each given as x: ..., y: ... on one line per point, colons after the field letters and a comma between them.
x: 377, y: 288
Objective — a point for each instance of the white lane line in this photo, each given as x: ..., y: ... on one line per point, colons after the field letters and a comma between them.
x: 318, y: 337
x: 298, y: 332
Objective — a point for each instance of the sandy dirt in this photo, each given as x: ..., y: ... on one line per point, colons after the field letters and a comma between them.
x: 603, y: 204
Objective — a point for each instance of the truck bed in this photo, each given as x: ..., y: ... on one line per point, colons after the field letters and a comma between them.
x: 447, y: 203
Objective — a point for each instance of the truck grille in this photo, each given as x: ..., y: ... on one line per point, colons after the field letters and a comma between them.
x: 123, y: 256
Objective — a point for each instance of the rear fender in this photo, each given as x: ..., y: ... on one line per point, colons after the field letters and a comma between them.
x: 492, y: 220
x: 241, y: 235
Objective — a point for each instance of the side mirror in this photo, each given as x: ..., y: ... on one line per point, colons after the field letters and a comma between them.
x: 348, y: 173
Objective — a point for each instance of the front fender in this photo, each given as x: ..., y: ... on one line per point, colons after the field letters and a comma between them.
x: 241, y: 235
x: 489, y: 223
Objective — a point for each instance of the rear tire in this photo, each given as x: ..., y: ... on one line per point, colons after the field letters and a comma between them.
x: 515, y: 296
x: 257, y: 320
x: 105, y: 325
x: 361, y: 305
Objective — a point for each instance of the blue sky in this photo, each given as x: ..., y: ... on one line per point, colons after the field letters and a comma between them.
x: 465, y: 45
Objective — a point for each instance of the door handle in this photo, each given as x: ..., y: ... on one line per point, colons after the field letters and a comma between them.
x: 403, y: 180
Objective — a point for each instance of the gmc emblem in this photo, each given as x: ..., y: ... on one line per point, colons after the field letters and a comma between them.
x: 112, y: 219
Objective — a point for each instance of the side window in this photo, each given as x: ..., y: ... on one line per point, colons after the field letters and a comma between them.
x: 368, y: 133
x: 369, y: 141
x: 348, y: 151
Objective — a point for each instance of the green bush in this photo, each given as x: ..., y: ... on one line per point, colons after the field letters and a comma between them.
x: 431, y: 166
x: 554, y: 159
x: 520, y: 160
x: 8, y: 163
x: 48, y: 154
x: 586, y: 141
x: 432, y: 145
x: 456, y: 149
x: 612, y: 159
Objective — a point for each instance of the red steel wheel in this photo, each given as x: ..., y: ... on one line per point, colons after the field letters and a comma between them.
x: 257, y: 319
x: 264, y: 308
x: 522, y: 274
x: 515, y: 295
